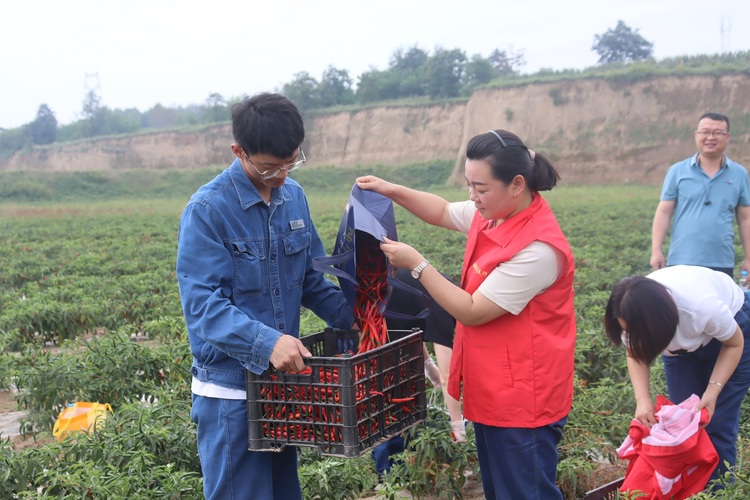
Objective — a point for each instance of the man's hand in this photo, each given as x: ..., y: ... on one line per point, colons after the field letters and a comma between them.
x: 657, y: 260
x: 288, y: 354
x: 745, y: 266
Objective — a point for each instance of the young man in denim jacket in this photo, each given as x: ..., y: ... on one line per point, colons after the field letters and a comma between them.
x: 244, y: 264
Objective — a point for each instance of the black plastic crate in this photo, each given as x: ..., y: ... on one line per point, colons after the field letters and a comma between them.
x: 348, y: 403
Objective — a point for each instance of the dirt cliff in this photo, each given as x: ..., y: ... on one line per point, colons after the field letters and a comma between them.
x: 596, y: 131
x: 601, y: 131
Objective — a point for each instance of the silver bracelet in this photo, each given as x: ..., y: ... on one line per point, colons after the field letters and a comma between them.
x: 721, y: 386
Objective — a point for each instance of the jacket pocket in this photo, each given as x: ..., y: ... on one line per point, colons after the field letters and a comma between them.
x: 248, y: 268
x: 507, y: 368
x: 296, y: 247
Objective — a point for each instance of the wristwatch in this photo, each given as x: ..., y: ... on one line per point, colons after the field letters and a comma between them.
x: 417, y: 271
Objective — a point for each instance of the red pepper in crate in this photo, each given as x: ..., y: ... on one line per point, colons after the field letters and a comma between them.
x: 345, y: 403
x: 370, y: 292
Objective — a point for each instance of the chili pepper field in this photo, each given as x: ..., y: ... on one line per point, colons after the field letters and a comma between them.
x: 89, y: 311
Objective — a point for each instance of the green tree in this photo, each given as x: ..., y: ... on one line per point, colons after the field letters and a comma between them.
x: 304, y: 91
x: 622, y: 44
x: 160, y: 117
x: 444, y: 73
x: 478, y: 71
x: 89, y: 112
x: 376, y: 85
x: 11, y: 140
x: 507, y: 62
x: 408, y: 70
x: 335, y: 88
x: 216, y: 109
x: 43, y: 130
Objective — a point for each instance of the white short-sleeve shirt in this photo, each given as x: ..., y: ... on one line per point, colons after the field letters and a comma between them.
x: 706, y: 302
x: 512, y: 284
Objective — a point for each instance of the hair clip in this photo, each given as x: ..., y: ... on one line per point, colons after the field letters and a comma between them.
x: 498, y: 138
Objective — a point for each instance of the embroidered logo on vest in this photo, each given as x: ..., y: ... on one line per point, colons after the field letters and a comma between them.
x: 478, y: 270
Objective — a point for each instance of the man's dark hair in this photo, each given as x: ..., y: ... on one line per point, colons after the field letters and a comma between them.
x: 650, y: 313
x: 267, y: 124
x: 715, y: 116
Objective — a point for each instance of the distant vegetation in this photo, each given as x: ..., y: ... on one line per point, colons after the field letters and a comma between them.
x: 413, y: 77
x: 707, y: 65
x: 55, y: 187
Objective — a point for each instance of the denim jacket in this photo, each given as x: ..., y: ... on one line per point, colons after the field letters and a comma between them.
x: 244, y: 268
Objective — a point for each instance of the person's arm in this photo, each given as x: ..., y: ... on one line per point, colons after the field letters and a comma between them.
x: 659, y: 229
x: 429, y: 207
x: 469, y: 309
x: 727, y: 361
x: 743, y: 223
x: 204, y: 266
x: 640, y: 378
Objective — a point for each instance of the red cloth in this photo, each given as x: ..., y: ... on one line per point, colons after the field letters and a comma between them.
x: 675, y: 458
x: 517, y: 370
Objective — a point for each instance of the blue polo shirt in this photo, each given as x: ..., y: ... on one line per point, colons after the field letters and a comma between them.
x: 704, y: 213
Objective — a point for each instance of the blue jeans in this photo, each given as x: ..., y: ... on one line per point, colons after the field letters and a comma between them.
x: 518, y: 463
x: 382, y: 454
x: 690, y: 373
x: 230, y: 470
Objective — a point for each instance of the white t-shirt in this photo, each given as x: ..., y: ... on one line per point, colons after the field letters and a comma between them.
x: 706, y: 302
x: 512, y: 284
x: 209, y: 390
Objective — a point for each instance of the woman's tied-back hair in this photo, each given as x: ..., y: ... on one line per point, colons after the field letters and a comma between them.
x: 650, y: 313
x: 508, y: 157
x: 268, y: 124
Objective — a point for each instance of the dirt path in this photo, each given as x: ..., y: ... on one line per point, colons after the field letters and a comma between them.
x: 10, y: 419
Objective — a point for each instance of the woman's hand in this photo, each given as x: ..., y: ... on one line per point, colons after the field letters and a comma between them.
x: 645, y: 413
x: 400, y: 254
x: 375, y: 184
x: 708, y: 400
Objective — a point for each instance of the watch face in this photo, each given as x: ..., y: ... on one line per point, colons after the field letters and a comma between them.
x: 414, y: 274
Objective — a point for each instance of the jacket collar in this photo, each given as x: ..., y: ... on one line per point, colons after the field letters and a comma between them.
x: 247, y: 192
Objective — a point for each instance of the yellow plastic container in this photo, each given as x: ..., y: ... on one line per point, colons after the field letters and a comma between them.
x: 80, y: 417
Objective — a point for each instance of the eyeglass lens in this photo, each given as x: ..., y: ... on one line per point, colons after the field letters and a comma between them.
x: 715, y: 133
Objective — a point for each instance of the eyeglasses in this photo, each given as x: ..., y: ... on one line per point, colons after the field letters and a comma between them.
x: 708, y: 133
x: 273, y: 172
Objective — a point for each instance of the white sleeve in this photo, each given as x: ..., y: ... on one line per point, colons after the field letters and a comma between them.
x: 462, y: 213
x: 512, y: 284
x: 720, y: 322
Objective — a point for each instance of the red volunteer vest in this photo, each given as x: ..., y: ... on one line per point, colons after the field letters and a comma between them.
x: 517, y: 370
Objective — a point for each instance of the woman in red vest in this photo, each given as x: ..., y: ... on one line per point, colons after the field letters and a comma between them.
x: 515, y: 339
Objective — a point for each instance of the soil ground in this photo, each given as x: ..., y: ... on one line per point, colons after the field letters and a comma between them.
x: 10, y: 418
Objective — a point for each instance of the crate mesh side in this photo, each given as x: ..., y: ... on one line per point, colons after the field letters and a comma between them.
x: 347, y: 404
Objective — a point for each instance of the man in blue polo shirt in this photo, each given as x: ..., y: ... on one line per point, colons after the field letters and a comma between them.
x: 704, y: 193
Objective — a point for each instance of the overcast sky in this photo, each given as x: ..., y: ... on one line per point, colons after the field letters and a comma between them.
x: 138, y: 53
